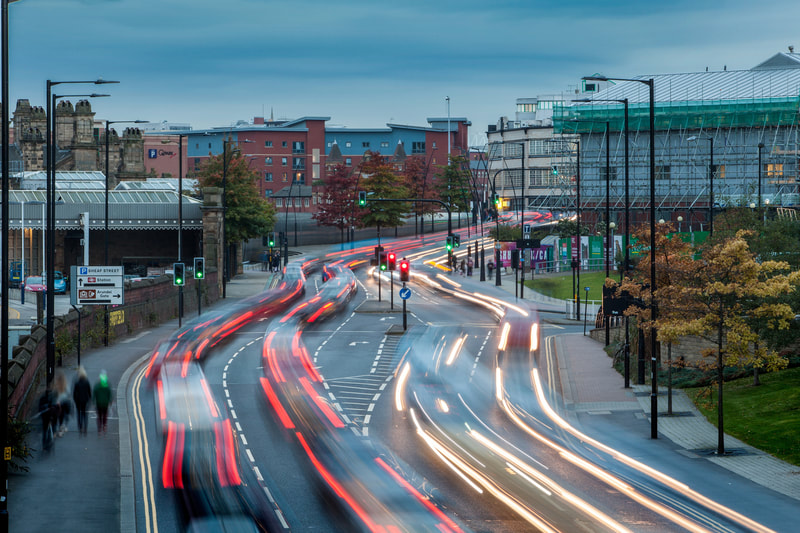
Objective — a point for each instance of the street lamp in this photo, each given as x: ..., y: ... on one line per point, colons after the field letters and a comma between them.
x: 181, y: 136
x: 105, y: 226
x: 576, y: 263
x: 760, y: 147
x: 650, y: 82
x: 710, y: 181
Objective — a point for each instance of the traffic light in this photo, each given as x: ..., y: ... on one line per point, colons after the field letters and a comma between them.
x: 496, y: 199
x: 178, y: 274
x: 448, y: 245
x: 391, y: 259
x: 555, y: 170
x: 362, y: 198
x: 271, y: 239
x: 457, y: 240
x: 405, y: 270
x: 199, y: 268
x: 383, y: 262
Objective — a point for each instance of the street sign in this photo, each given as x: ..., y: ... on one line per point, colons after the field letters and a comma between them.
x: 405, y: 293
x: 96, y: 285
x: 526, y: 229
x: 528, y: 244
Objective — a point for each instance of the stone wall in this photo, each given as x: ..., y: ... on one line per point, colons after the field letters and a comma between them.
x: 690, y: 349
x: 147, y: 303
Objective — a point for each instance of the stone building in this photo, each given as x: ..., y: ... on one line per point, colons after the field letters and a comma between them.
x: 80, y: 141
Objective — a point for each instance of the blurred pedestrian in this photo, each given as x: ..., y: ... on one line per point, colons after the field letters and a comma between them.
x: 490, y: 266
x: 470, y: 266
x: 48, y: 412
x: 64, y: 402
x: 81, y: 394
x: 102, y: 401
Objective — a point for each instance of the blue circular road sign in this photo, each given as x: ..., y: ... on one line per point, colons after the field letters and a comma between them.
x: 405, y: 293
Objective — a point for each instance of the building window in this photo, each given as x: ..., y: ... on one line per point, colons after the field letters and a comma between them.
x: 299, y: 177
x: 663, y: 172
x: 417, y: 147
x: 284, y: 161
x: 284, y: 177
x: 268, y: 161
x: 268, y: 193
x: 278, y: 202
x: 719, y: 172
x: 542, y: 177
x: 298, y: 147
x: 495, y: 151
x: 513, y: 178
x: 268, y: 176
x: 348, y: 161
x: 297, y: 202
x: 348, y: 144
x: 384, y: 144
x: 513, y: 150
x: 305, y: 202
x: 283, y: 144
x: 434, y: 145
x: 299, y: 163
x: 365, y: 144
x: 268, y: 144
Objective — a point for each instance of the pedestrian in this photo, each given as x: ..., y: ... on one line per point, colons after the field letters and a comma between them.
x: 81, y: 394
x: 462, y: 267
x: 102, y: 401
x: 64, y: 402
x: 470, y: 266
x: 490, y: 266
x: 48, y: 412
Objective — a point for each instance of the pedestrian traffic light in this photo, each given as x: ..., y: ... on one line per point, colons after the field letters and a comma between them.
x: 456, y: 240
x: 199, y: 268
x: 449, y: 243
x: 178, y: 274
x: 405, y: 270
x: 271, y: 239
x: 391, y: 259
x: 496, y: 199
x: 362, y: 198
x: 383, y: 261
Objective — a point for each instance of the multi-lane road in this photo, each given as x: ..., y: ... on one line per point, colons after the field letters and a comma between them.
x: 465, y: 437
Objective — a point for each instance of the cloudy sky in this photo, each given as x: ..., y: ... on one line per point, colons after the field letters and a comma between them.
x: 365, y: 63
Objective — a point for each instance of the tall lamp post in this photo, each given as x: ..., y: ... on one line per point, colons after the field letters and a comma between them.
x: 710, y: 181
x: 105, y: 223
x: 760, y: 147
x: 651, y: 84
x: 50, y: 199
x: 181, y: 136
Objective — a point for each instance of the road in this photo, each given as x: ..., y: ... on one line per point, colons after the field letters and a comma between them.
x: 487, y: 451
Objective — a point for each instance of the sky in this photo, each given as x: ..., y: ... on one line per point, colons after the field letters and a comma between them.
x: 366, y: 63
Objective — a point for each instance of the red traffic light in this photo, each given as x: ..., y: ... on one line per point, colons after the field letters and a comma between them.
x: 391, y: 260
x: 405, y: 270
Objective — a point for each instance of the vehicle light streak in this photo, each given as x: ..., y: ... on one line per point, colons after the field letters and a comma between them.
x: 448, y: 280
x: 162, y: 409
x: 276, y: 404
x: 534, y: 336
x: 201, y: 347
x: 399, y: 390
x: 663, y: 478
x: 209, y: 398
x: 449, y: 524
x: 504, y: 336
x: 337, y: 487
x: 332, y: 417
x: 529, y: 479
x: 455, y: 351
x: 566, y: 495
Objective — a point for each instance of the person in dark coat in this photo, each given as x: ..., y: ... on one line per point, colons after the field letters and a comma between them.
x: 81, y: 395
x: 48, y: 412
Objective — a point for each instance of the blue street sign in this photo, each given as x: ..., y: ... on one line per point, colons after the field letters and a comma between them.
x: 405, y: 293
x: 152, y: 153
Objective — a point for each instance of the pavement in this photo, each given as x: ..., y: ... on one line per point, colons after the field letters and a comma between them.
x: 86, y: 484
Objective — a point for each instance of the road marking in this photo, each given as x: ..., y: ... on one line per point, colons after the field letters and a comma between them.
x: 134, y: 338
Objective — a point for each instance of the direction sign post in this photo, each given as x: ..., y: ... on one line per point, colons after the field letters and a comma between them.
x: 405, y: 294
x: 96, y: 285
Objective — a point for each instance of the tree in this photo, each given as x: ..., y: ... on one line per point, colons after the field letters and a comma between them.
x: 337, y: 204
x: 415, y: 179
x: 247, y: 214
x: 720, y: 297
x: 380, y: 182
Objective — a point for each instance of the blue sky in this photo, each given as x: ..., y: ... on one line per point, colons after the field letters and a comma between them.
x: 365, y: 63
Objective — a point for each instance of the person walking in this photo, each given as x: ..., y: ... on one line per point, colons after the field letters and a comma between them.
x: 64, y: 402
x: 102, y: 400
x: 81, y: 395
x: 48, y: 412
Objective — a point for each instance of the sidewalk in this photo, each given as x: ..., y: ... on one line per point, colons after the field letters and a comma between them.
x: 85, y: 483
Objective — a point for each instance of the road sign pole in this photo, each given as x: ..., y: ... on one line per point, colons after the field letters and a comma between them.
x: 405, y: 320
x: 391, y: 290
